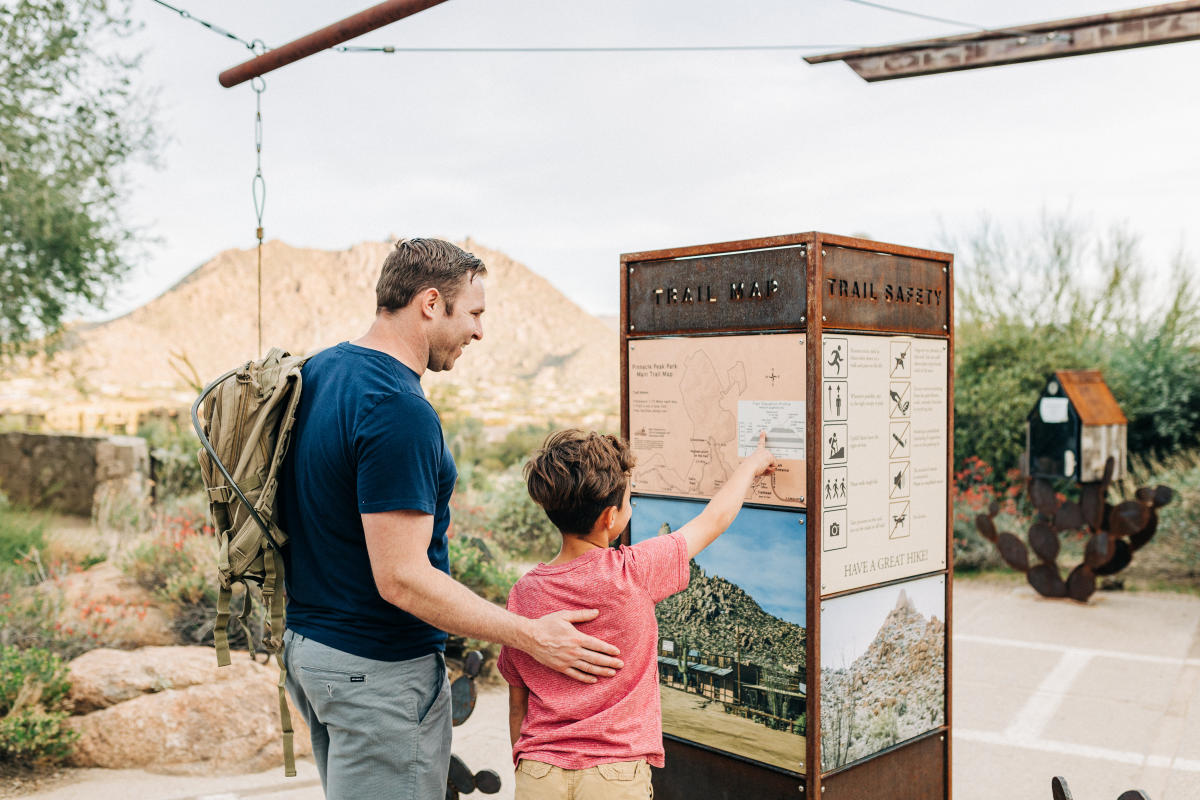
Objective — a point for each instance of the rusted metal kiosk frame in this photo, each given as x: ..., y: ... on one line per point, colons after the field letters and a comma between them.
x: 795, y: 271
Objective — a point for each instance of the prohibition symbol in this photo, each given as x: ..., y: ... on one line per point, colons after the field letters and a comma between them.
x: 900, y: 435
x: 899, y: 522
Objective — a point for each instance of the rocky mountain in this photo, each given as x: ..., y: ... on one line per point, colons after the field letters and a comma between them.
x: 541, y: 355
x: 716, y: 616
x: 892, y: 692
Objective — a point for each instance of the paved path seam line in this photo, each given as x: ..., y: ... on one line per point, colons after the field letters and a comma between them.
x: 1031, y: 721
x: 1081, y: 750
x: 1062, y: 648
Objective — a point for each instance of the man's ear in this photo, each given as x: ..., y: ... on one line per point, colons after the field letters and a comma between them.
x: 427, y: 301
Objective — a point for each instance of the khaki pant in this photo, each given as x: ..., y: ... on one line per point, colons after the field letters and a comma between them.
x: 622, y: 780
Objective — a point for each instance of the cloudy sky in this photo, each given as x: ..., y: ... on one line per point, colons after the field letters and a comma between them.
x: 849, y: 623
x: 564, y: 161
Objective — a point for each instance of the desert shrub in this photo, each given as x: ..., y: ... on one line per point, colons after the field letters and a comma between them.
x: 174, y: 465
x: 519, y: 525
x: 31, y: 604
x: 975, y: 489
x: 33, y: 617
x: 177, y: 563
x: 33, y: 690
x: 883, y: 730
x: 473, y: 564
x: 1175, y: 548
x: 19, y: 535
x: 999, y: 372
x: 1155, y: 375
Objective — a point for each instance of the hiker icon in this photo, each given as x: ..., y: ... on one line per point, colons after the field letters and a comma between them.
x: 836, y: 440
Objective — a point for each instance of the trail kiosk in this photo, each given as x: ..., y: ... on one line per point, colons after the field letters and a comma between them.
x: 809, y: 654
x: 1074, y: 428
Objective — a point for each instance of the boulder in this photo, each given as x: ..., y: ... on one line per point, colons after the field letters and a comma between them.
x: 105, y: 601
x: 171, y: 709
x: 103, y: 678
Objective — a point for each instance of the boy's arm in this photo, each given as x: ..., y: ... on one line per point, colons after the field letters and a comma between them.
x: 518, y: 705
x: 727, y: 502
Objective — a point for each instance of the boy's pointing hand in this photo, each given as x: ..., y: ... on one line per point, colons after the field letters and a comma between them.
x: 762, y: 458
x: 557, y: 644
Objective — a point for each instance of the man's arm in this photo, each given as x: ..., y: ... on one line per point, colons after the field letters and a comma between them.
x: 397, y: 543
x: 518, y: 706
x: 727, y: 502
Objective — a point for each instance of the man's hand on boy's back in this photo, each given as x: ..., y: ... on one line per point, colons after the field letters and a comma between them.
x: 555, y: 642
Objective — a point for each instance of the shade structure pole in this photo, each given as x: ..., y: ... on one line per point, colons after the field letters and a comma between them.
x: 366, y: 21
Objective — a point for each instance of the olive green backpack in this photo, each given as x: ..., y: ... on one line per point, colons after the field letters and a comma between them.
x: 249, y: 413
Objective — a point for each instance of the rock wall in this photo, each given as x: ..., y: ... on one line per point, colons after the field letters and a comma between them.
x: 73, y: 474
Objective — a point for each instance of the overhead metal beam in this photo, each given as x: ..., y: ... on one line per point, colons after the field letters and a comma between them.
x: 1100, y: 33
x: 330, y: 36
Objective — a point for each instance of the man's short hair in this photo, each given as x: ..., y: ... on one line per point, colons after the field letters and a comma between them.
x: 576, y: 475
x: 415, y: 265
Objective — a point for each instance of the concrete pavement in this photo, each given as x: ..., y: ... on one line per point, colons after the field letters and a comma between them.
x: 1106, y: 695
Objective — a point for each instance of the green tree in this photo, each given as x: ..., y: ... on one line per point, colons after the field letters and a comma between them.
x: 70, y: 123
x: 1057, y: 296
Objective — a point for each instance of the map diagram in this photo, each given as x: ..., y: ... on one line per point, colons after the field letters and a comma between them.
x: 697, y: 404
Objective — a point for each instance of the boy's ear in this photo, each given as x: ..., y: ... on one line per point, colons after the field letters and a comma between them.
x: 605, y: 521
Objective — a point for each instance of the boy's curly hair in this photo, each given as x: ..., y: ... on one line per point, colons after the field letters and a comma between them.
x: 576, y: 475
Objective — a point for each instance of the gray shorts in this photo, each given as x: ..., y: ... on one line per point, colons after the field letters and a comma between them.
x: 380, y: 729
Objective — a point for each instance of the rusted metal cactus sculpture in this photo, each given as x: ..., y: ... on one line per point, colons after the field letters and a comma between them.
x: 1060, y: 791
x: 460, y: 779
x: 1113, y: 533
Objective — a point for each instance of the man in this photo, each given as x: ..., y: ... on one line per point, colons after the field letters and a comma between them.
x: 365, y: 500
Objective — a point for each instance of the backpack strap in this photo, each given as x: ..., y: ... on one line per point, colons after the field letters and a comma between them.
x: 274, y: 598
x: 285, y: 719
x: 220, y: 629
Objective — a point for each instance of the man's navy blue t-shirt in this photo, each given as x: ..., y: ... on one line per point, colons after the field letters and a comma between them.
x: 366, y: 440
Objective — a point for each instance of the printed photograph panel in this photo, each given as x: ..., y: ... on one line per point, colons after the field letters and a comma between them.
x: 732, y: 645
x: 883, y: 670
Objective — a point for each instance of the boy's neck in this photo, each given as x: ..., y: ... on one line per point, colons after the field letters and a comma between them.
x: 574, y: 546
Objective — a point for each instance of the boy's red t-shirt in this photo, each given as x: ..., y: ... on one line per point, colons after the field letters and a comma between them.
x: 577, y: 725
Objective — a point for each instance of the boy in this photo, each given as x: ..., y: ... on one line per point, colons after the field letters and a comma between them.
x: 579, y: 742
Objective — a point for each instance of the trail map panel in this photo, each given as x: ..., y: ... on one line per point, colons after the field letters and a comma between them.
x: 697, y: 404
x: 883, y: 460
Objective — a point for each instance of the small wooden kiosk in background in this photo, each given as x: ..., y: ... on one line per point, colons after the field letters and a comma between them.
x: 1074, y: 428
x: 810, y: 654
